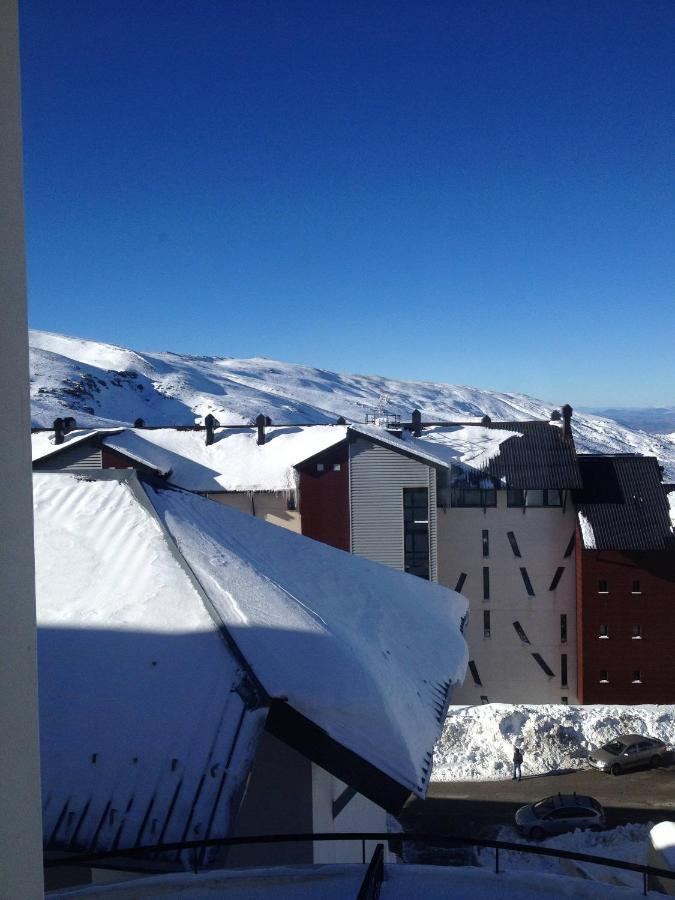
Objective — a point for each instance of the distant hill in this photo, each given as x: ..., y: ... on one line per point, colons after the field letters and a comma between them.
x: 103, y: 385
x: 657, y: 419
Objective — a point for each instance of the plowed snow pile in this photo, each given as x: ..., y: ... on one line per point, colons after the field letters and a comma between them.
x: 477, y: 741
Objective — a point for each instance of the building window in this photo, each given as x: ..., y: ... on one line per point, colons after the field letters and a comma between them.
x: 636, y: 633
x: 557, y: 577
x: 520, y: 631
x: 337, y: 467
x: 486, y: 543
x: 486, y: 623
x: 460, y: 582
x: 636, y: 588
x: 637, y: 677
x: 563, y: 628
x: 542, y: 663
x: 570, y: 546
x: 564, y: 700
x: 320, y: 467
x: 526, y: 581
x: 486, y: 583
x: 416, y: 531
x: 514, y: 543
x: 484, y: 699
x: 604, y: 676
x: 603, y: 586
x: 533, y: 498
x: 291, y: 502
x: 604, y: 631
x: 474, y: 497
x: 474, y: 674
x: 563, y: 670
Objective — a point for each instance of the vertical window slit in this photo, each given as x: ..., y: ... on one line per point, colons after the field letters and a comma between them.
x: 474, y: 673
x: 543, y: 664
x: 520, y: 631
x: 526, y: 581
x: 486, y: 543
x: 486, y: 583
x: 563, y: 628
x: 460, y: 582
x: 563, y: 670
x: 514, y: 543
x: 486, y: 623
x: 557, y: 577
x: 570, y: 546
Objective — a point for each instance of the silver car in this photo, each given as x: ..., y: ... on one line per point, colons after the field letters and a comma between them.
x: 559, y: 813
x: 628, y: 751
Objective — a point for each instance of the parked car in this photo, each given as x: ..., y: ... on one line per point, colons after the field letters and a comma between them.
x: 628, y: 751
x: 559, y: 813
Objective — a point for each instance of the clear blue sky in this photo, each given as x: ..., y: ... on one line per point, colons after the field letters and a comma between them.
x: 473, y: 192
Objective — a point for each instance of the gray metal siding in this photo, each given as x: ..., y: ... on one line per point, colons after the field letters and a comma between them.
x: 82, y: 456
x: 377, y: 479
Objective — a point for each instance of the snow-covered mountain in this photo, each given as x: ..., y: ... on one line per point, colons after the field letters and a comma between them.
x: 103, y: 385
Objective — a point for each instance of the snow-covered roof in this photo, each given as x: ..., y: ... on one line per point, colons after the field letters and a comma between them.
x: 42, y: 442
x: 234, y: 462
x: 139, y: 713
x: 156, y: 605
x: 410, y: 446
x: 465, y: 445
x: 366, y: 653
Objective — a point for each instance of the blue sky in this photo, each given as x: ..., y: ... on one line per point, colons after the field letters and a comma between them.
x: 476, y: 192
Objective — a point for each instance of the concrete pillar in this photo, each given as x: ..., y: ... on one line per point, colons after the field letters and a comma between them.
x: 20, y: 816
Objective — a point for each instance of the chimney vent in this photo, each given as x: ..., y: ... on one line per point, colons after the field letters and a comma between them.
x: 341, y: 420
x: 58, y: 431
x: 555, y: 415
x: 139, y: 423
x: 260, y: 422
x: 416, y: 422
x: 567, y: 420
x: 210, y: 423
x: 486, y: 421
x: 68, y: 424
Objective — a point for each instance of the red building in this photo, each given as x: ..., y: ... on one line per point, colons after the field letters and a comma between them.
x: 625, y: 583
x: 324, y: 496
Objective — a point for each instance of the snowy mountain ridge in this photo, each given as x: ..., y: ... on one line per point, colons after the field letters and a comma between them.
x: 103, y: 385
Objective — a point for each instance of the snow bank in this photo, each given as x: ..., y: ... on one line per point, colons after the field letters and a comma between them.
x: 477, y: 741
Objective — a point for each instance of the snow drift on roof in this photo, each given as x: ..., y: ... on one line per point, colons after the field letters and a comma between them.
x: 137, y: 700
x: 363, y: 651
x: 412, y: 446
x: 469, y: 445
x: 234, y: 462
x: 42, y: 442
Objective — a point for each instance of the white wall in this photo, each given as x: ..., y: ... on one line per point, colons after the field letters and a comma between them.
x: 505, y: 664
x: 360, y: 814
x: 20, y: 821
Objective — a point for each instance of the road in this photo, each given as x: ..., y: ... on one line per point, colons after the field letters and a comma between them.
x: 477, y: 807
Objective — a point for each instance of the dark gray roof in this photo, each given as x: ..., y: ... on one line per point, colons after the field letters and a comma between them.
x: 542, y: 458
x: 623, y: 504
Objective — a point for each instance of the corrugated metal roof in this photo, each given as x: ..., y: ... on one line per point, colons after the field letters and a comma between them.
x: 542, y: 458
x: 623, y: 504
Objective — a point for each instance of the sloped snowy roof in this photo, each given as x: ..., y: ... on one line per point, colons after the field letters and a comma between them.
x: 143, y: 736
x: 42, y: 442
x: 234, y: 462
x: 364, y: 652
x: 466, y: 445
x: 623, y: 504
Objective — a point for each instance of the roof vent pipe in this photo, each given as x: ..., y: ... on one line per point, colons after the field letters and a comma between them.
x: 210, y: 423
x: 555, y: 415
x: 68, y: 424
x: 567, y: 420
x: 260, y: 422
x: 58, y: 431
x: 341, y: 420
x: 486, y: 421
x: 417, y: 423
x: 139, y: 423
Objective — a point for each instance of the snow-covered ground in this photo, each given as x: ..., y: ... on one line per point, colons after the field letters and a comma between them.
x: 477, y: 741
x: 102, y: 385
x: 627, y: 843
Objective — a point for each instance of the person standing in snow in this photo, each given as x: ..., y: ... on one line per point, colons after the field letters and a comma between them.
x: 517, y: 763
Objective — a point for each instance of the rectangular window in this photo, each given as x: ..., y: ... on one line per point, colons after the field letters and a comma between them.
x: 542, y: 663
x: 526, y: 581
x: 563, y: 670
x: 460, y: 582
x: 636, y: 588
x: 603, y: 586
x: 337, y: 467
x: 484, y: 699
x: 563, y: 628
x: 556, y: 578
x: 416, y: 531
x: 514, y: 543
x: 637, y: 633
x: 603, y: 632
x: 473, y: 497
x: 604, y: 676
x: 515, y: 497
x: 486, y: 543
x: 570, y: 547
x: 637, y: 677
x: 486, y: 623
x: 320, y: 467
x: 474, y: 673
x: 486, y: 583
x: 564, y: 700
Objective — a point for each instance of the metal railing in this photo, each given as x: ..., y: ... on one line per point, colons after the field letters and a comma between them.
x: 425, y: 838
